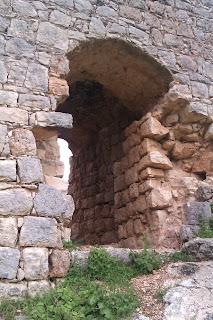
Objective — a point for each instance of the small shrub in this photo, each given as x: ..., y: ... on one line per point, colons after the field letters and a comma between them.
x: 160, y: 294
x: 179, y: 256
x: 103, y: 267
x: 147, y: 261
x: 70, y: 245
x: 206, y: 228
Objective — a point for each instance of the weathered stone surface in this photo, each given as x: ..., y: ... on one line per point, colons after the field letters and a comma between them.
x: 159, y: 198
x: 3, y: 135
x: 195, y: 211
x: 155, y: 159
x: 7, y: 170
x: 151, y: 173
x: 51, y: 35
x: 17, y: 202
x: 36, y: 288
x: 24, y: 8
x: 13, y: 290
x: 202, y: 249
x: 8, y: 232
x: 20, y: 48
x: 209, y: 133
x: 34, y: 101
x: 59, y: 263
x: 58, y: 87
x: 153, y: 129
x: 52, y: 203
x: 204, y: 193
x: 183, y: 150
x: 29, y: 170
x: 37, y: 77
x: 60, y: 18
x: 52, y: 119
x: 188, y: 232
x: 13, y: 115
x: 9, y: 261
x: 9, y: 98
x: 22, y: 142
x: 149, y: 145
x: 35, y: 263
x: 39, y: 232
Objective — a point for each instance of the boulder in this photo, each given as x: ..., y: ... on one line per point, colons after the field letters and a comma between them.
x: 202, y: 249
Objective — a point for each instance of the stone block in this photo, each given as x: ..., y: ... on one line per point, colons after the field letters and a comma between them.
x: 53, y: 36
x: 194, y: 211
x: 22, y: 142
x: 204, y: 163
x: 35, y: 262
x: 34, y: 101
x: 202, y: 249
x: 159, y: 198
x: 140, y: 205
x: 151, y: 173
x: 9, y: 98
x: 149, y: 185
x: 59, y: 263
x: 13, y: 115
x: 36, y: 288
x: 60, y: 18
x: 52, y: 119
x: 155, y: 159
x: 3, y: 135
x: 183, y: 150
x: 7, y: 170
x: 138, y: 227
x: 131, y: 175
x: 58, y: 87
x: 15, y: 202
x: 13, y: 290
x: 29, y: 170
x: 8, y: 232
x: 119, y: 183
x: 37, y: 77
x: 149, y: 145
x: 50, y: 202
x: 153, y: 129
x: 40, y: 232
x: 133, y: 191
x: 9, y: 261
x: 209, y: 133
x: 204, y: 193
x: 188, y: 232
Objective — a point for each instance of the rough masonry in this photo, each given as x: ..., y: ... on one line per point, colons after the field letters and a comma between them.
x: 129, y: 85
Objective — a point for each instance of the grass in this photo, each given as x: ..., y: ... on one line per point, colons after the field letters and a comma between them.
x: 102, y: 291
x: 206, y: 228
x: 70, y: 245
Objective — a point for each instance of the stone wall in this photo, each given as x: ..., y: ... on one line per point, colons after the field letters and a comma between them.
x: 35, y: 37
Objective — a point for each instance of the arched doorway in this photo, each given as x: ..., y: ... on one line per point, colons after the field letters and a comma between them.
x: 112, y: 84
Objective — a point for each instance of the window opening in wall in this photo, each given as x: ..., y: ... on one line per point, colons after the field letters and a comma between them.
x: 65, y: 154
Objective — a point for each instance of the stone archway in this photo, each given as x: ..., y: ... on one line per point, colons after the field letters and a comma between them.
x: 112, y: 86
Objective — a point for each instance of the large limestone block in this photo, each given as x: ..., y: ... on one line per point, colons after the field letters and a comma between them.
x: 36, y: 288
x: 149, y: 145
x: 194, y: 112
x: 13, y: 290
x: 59, y: 263
x: 54, y: 36
x: 8, y: 232
x: 37, y: 77
x: 50, y: 202
x: 14, y: 115
x: 7, y: 170
x: 196, y: 210
x: 9, y: 261
x: 40, y: 232
x: 22, y: 142
x: 159, y: 198
x: 8, y: 98
x: 3, y: 135
x: 29, y: 170
x: 155, y: 159
x: 153, y: 129
x: 35, y: 263
x: 51, y: 119
x: 15, y: 202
